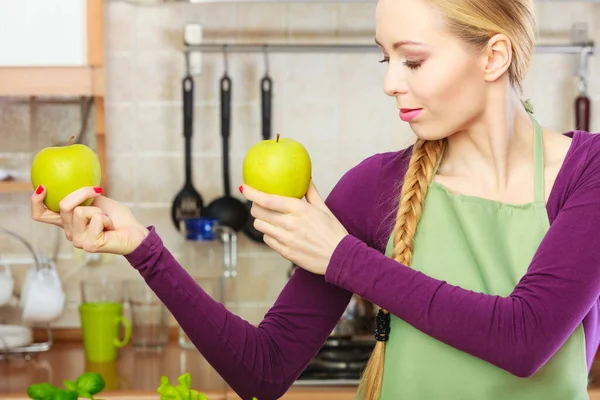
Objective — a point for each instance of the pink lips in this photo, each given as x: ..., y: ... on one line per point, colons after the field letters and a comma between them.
x: 408, y: 114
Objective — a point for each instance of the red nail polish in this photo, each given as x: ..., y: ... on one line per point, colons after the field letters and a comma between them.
x: 39, y: 189
x: 98, y: 189
x: 241, y: 188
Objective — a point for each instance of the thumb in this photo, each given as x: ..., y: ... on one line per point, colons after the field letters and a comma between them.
x: 313, y: 197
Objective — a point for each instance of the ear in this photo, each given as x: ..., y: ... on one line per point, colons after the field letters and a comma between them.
x: 498, y: 57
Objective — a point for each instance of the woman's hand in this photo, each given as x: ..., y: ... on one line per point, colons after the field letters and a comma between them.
x: 104, y: 227
x: 306, y: 233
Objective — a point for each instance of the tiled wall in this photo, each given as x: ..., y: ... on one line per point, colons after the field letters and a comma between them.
x: 333, y: 103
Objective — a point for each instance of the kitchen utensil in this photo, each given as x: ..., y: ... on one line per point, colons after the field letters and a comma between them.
x: 101, y: 291
x: 188, y: 203
x: 228, y: 210
x: 100, y: 327
x: 582, y: 108
x: 266, y: 87
x: 149, y: 317
x: 42, y: 296
x: 12, y: 336
x: 7, y: 285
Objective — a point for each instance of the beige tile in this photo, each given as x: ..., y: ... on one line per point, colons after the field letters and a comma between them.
x: 121, y: 129
x: 246, y: 128
x: 309, y: 22
x: 259, y: 22
x: 15, y: 129
x: 120, y: 72
x: 207, y: 130
x: 122, y: 177
x: 312, y: 77
x: 313, y: 123
x: 260, y: 278
x: 327, y: 171
x: 160, y: 178
x: 159, y: 27
x: 357, y: 21
x: 217, y: 20
x: 159, y: 128
x: 400, y: 135
x: 208, y: 176
x: 363, y: 123
x: 160, y: 217
x: 553, y: 106
x: 120, y: 32
x: 158, y: 75
x: 558, y: 17
x: 206, y: 85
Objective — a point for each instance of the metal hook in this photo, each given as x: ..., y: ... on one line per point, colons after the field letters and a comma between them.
x: 582, y: 72
x: 266, y: 59
x: 225, y: 63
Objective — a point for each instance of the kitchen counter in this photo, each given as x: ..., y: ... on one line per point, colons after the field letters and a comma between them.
x: 135, y: 376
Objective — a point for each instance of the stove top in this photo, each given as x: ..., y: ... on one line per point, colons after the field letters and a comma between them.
x: 339, y: 362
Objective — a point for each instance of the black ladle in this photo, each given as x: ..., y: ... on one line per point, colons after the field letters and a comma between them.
x: 228, y: 210
x: 266, y: 86
x: 187, y: 203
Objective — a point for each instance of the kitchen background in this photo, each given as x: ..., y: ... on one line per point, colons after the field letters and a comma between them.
x: 332, y: 103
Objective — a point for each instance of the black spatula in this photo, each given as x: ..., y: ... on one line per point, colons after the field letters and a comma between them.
x: 188, y: 203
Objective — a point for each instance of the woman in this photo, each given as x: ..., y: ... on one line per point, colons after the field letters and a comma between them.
x: 489, y: 270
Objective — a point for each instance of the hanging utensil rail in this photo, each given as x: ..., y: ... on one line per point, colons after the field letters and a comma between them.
x: 580, y: 48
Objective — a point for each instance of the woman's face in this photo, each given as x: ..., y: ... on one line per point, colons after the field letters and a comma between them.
x: 437, y: 80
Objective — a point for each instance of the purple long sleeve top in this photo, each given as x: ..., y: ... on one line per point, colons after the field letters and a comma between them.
x: 517, y: 333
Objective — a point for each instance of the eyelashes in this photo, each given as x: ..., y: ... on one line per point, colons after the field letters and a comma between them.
x: 409, y: 64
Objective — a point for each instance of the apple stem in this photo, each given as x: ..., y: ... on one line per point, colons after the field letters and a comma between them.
x: 277, y: 141
x: 70, y: 140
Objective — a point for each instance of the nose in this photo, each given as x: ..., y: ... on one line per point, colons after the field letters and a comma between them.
x: 394, y: 83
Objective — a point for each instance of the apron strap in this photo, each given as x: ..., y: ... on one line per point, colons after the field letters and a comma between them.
x: 538, y: 157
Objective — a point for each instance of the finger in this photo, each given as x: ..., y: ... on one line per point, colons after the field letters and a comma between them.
x: 268, y: 229
x: 95, y: 240
x: 81, y: 217
x: 313, y: 196
x: 39, y: 212
x: 273, y: 243
x: 273, y: 202
x: 272, y: 217
x: 72, y: 200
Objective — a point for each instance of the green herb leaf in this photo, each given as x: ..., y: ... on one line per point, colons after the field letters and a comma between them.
x: 62, y: 394
x: 184, y: 386
x: 89, y: 384
x: 41, y: 391
x: 72, y: 386
x: 168, y: 391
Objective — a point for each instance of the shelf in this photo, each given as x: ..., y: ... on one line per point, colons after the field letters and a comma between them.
x: 15, y: 187
x: 51, y: 81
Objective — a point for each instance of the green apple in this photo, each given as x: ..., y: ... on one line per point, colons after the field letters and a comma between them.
x: 64, y: 169
x: 279, y: 166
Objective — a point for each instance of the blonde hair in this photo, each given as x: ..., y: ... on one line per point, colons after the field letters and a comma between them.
x: 474, y: 22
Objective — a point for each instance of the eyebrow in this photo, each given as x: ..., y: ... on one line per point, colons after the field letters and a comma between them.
x: 401, y: 43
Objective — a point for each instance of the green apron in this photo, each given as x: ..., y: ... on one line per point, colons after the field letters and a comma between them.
x: 484, y: 246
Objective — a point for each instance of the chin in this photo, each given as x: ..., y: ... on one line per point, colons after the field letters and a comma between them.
x: 428, y: 133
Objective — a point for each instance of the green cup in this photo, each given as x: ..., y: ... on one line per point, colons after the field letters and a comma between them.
x: 100, y: 325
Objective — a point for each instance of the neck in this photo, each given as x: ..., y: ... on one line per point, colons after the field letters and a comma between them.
x: 496, y: 146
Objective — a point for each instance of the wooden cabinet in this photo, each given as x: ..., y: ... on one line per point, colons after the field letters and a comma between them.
x: 63, y: 65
